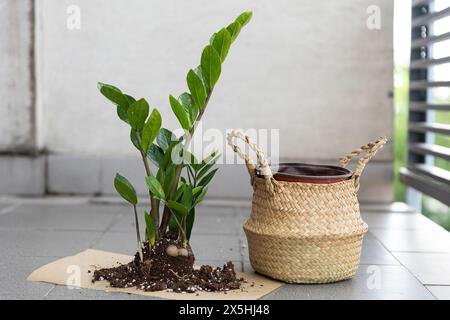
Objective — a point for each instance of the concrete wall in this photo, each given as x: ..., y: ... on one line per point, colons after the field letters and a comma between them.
x: 17, y: 92
x: 309, y: 68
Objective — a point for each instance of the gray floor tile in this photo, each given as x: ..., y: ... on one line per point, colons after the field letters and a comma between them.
x: 224, y: 225
x: 222, y: 211
x: 40, y: 230
x: 62, y: 217
x: 44, y: 243
x: 13, y: 275
x: 429, y: 268
x: 126, y: 224
x: 395, y: 282
x: 406, y: 221
x: 373, y: 252
x: 73, y: 207
x: 218, y: 247
x: 414, y: 240
x: 118, y: 242
x: 440, y: 292
x: 386, y: 207
x: 4, y: 206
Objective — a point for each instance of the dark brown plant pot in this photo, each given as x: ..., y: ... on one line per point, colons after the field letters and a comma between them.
x: 309, y: 173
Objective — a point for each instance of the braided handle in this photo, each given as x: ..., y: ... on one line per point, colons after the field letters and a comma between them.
x: 261, y: 160
x: 370, y: 150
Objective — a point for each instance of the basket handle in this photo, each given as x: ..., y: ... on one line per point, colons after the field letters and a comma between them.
x: 261, y: 160
x: 369, y: 150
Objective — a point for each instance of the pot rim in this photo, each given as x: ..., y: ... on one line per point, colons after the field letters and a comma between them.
x: 344, y: 172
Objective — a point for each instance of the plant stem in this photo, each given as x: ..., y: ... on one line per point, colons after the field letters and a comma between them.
x: 138, y: 234
x: 183, y: 233
x: 154, y: 202
x: 179, y: 167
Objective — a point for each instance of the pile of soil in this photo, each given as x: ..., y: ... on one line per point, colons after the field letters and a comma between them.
x: 159, y: 271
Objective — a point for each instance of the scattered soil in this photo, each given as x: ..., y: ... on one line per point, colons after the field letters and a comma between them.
x: 159, y: 271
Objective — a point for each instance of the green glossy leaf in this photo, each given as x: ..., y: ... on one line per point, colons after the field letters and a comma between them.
x: 211, y: 65
x: 155, y: 154
x: 198, y: 71
x: 150, y: 130
x: 211, y: 158
x: 179, y: 192
x: 113, y: 94
x: 134, y: 138
x: 150, y: 228
x: 168, y: 180
x: 170, y: 154
x: 222, y: 43
x: 188, y: 157
x: 180, y: 113
x: 234, y: 29
x: 137, y: 114
x: 244, y: 18
x: 122, y: 113
x: 173, y: 226
x: 200, y: 196
x: 177, y: 207
x: 211, y: 39
x: 197, y: 190
x: 164, y: 138
x: 130, y: 99
x: 196, y: 88
x: 116, y: 96
x: 155, y: 187
x: 125, y: 189
x: 160, y: 176
x: 189, y: 105
x: 204, y: 170
x: 187, y: 198
x: 204, y: 182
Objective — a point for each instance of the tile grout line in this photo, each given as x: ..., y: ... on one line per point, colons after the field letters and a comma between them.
x: 7, y: 210
x: 108, y: 228
x: 48, y: 292
x: 409, y: 271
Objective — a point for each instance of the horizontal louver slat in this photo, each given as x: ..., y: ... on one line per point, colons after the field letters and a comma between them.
x: 425, y: 63
x: 431, y: 149
x: 435, y: 173
x: 429, y: 40
x: 438, y: 128
x: 425, y: 19
x: 425, y: 184
x: 423, y: 84
x: 422, y: 106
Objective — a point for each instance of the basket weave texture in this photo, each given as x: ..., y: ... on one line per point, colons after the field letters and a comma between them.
x: 305, y: 232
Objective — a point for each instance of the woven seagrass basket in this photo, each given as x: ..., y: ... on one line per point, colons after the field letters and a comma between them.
x: 304, y: 232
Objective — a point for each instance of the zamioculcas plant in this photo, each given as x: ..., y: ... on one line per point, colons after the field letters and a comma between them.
x: 179, y: 181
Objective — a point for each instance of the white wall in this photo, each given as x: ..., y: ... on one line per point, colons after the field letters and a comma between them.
x: 311, y: 68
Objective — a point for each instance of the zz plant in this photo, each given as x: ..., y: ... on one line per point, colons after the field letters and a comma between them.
x: 180, y: 181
